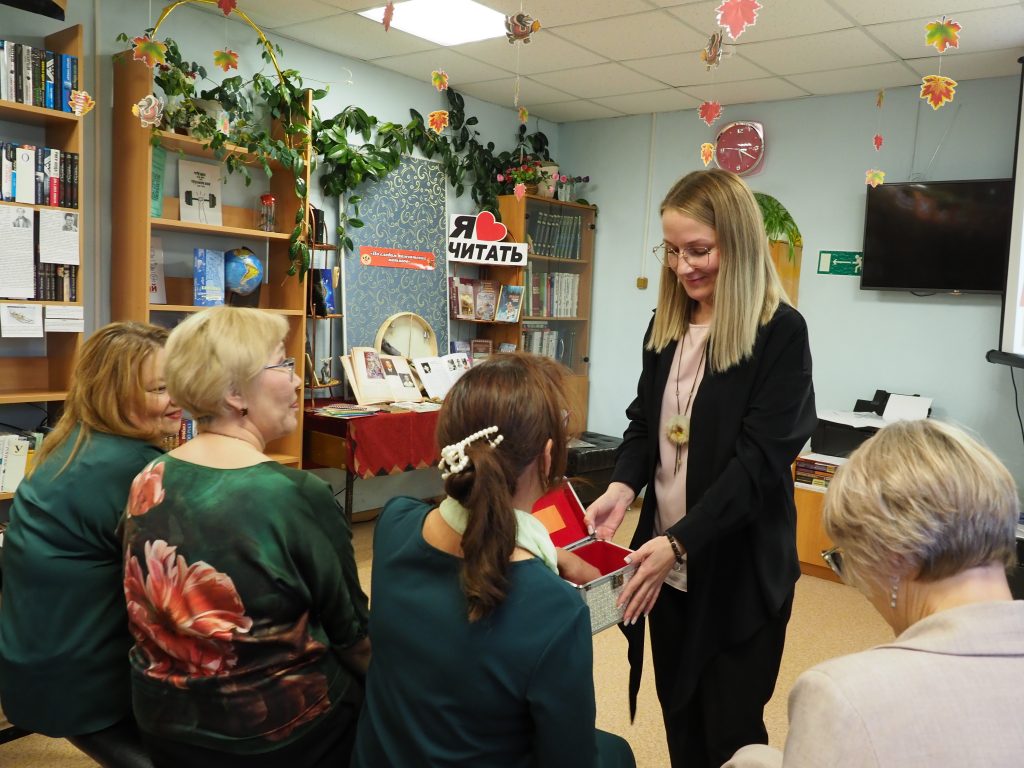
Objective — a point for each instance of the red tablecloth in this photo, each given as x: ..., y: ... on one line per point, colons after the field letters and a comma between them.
x: 384, y: 443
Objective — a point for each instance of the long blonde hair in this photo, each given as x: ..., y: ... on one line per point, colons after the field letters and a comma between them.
x: 107, y: 391
x: 747, y: 289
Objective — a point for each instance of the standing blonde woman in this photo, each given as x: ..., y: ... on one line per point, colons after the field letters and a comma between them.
x: 724, y: 404
x: 63, y: 630
x: 924, y: 520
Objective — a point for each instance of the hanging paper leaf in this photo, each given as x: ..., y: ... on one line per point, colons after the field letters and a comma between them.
x: 438, y: 120
x: 709, y: 111
x: 227, y: 6
x: 707, y: 151
x: 712, y: 53
x: 226, y: 60
x: 150, y: 51
x: 943, y: 34
x: 524, y: 115
x: 81, y: 102
x: 937, y: 90
x: 877, y: 141
x: 874, y: 177
x: 519, y: 27
x: 389, y: 13
x: 880, y: 98
x: 439, y: 79
x: 149, y: 110
x: 519, y: 190
x: 737, y: 15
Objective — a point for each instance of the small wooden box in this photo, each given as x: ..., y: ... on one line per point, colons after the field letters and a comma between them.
x: 561, y: 513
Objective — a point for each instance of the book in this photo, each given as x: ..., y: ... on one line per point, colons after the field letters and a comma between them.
x: 15, y: 458
x: 377, y: 378
x: 481, y: 349
x: 486, y: 299
x: 156, y: 190
x: 49, y: 94
x: 66, y: 85
x: 438, y: 374
x: 510, y: 302
x: 323, y: 292
x: 157, y: 285
x: 51, y: 176
x: 466, y: 292
x: 208, y: 277
x: 200, y: 192
x: 507, y: 346
x: 25, y: 174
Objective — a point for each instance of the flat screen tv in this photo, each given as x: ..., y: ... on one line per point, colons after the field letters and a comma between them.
x: 937, y: 236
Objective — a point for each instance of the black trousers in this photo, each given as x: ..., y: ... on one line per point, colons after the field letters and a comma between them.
x: 726, y: 710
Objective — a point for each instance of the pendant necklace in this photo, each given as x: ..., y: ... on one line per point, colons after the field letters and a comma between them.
x: 678, y: 429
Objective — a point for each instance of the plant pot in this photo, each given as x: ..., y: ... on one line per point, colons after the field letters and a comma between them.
x: 546, y: 188
x: 532, y: 189
x: 789, y: 270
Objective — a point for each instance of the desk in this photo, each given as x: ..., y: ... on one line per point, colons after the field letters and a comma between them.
x: 370, y: 446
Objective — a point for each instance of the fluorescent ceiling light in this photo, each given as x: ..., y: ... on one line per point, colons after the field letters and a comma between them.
x: 445, y: 22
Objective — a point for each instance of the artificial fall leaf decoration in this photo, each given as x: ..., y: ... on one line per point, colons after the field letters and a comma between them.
x: 519, y: 190
x: 150, y: 51
x: 874, y: 177
x: 877, y: 141
x: 226, y: 59
x: 227, y: 6
x: 439, y: 79
x: 389, y: 13
x: 707, y: 151
x: 81, y: 102
x: 943, y: 34
x: 524, y: 115
x: 880, y: 98
x: 937, y: 90
x: 737, y: 15
x: 438, y: 120
x: 709, y: 111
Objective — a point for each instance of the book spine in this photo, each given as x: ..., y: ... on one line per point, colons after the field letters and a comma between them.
x: 453, y: 298
x: 73, y: 201
x: 65, y: 81
x: 74, y: 72
x: 18, y: 71
x: 42, y: 194
x: 7, y: 172
x: 73, y: 282
x: 65, y: 163
x: 52, y: 169
x: 3, y: 70
x: 26, y: 74
x: 48, y: 65
x: 38, y: 77
x: 60, y: 275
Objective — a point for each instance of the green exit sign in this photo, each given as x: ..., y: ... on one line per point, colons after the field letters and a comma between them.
x: 840, y: 262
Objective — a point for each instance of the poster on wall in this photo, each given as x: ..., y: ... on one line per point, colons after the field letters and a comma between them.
x: 478, y: 240
x: 378, y: 256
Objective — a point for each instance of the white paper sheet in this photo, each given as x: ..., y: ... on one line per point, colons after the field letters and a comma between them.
x: 851, y: 419
x: 906, y: 408
x: 21, y: 321
x: 58, y: 237
x: 65, y: 319
x: 16, y: 267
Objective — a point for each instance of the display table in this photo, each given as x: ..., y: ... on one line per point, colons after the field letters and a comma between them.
x: 384, y: 443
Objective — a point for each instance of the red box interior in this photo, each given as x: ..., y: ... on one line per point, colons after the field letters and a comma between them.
x: 561, y: 513
x: 603, y: 555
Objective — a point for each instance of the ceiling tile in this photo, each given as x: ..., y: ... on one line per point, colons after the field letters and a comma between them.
x: 989, y: 29
x: 531, y: 93
x: 782, y: 20
x: 813, y: 53
x: 346, y: 5
x: 632, y: 37
x: 971, y: 66
x: 667, y: 100
x: 600, y: 80
x: 876, y: 11
x: 270, y: 14
x: 351, y: 35
x: 557, y: 13
x: 546, y: 53
x: 574, y: 110
x: 765, y: 89
x: 688, y: 69
x: 460, y: 69
x: 869, y: 78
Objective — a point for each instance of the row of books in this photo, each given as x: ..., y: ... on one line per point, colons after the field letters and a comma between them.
x: 541, y: 339
x: 186, y: 432
x: 484, y: 300
x: 552, y: 294
x: 38, y: 175
x: 16, y: 454
x: 816, y: 469
x: 554, y: 234
x: 56, y: 282
x: 34, y: 76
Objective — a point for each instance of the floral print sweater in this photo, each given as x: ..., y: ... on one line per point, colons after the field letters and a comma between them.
x: 242, y: 591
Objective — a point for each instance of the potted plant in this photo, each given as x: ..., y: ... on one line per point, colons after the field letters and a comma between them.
x: 529, y: 173
x: 785, y: 241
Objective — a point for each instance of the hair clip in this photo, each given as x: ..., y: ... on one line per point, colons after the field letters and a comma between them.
x: 455, y: 455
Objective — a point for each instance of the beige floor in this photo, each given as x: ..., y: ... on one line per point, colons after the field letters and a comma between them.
x: 828, y: 620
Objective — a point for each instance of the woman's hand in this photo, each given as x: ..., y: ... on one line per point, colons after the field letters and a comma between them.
x: 605, y: 515
x: 574, y: 568
x: 654, y: 561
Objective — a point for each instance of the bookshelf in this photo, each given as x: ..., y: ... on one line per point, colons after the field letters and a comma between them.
x: 38, y: 371
x: 134, y: 228
x: 555, y: 313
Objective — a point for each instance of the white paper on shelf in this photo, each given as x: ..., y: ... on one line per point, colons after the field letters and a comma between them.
x: 906, y: 408
x: 21, y: 321
x: 58, y: 237
x: 16, y: 267
x: 65, y: 319
x: 851, y: 419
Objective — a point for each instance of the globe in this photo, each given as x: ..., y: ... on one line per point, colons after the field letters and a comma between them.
x: 243, y: 271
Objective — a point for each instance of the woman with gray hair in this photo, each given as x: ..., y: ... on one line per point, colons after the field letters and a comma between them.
x: 924, y: 520
x: 242, y: 590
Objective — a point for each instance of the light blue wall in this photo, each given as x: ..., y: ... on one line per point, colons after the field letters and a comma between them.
x: 817, y: 152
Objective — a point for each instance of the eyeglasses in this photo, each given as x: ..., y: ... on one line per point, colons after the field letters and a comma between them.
x: 288, y: 364
x: 697, y: 256
x: 834, y: 558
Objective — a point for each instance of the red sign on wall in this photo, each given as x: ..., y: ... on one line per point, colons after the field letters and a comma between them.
x: 377, y: 256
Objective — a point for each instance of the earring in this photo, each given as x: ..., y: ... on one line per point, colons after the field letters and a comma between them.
x: 894, y: 592
x: 244, y: 412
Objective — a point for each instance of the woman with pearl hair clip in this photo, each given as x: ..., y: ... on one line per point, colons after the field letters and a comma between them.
x: 482, y: 654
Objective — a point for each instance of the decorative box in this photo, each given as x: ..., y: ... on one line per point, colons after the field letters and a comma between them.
x: 561, y: 513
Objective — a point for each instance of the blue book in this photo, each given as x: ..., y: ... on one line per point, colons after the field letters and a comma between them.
x: 65, y: 81
x: 208, y: 277
x: 48, y: 93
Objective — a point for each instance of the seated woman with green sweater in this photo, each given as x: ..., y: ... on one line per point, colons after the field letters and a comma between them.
x: 482, y: 655
x: 64, y: 636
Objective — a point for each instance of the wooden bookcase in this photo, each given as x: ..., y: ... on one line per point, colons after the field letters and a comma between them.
x: 44, y: 379
x: 133, y: 227
x: 524, y: 219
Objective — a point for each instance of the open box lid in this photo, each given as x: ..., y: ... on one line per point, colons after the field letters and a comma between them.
x: 561, y: 513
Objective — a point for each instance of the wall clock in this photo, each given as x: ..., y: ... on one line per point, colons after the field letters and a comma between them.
x: 740, y: 147
x: 406, y: 334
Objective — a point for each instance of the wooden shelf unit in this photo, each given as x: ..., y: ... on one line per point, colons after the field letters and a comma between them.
x: 131, y: 238
x: 45, y: 379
